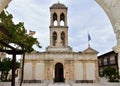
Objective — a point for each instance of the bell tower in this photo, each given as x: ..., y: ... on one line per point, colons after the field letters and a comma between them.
x: 58, y: 28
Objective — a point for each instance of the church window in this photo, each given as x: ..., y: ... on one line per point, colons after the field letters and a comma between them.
x: 55, y: 19
x: 54, y: 38
x: 62, y: 23
x: 55, y: 23
x: 62, y: 19
x: 63, y: 38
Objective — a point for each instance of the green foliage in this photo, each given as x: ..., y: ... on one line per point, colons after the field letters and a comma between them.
x: 17, y: 64
x: 6, y: 66
x: 101, y: 74
x: 111, y: 73
x: 113, y: 80
x: 17, y: 33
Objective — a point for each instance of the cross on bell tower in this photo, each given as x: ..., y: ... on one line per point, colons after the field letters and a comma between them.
x: 58, y: 27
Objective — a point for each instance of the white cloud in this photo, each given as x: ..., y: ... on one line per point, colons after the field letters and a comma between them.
x: 83, y: 16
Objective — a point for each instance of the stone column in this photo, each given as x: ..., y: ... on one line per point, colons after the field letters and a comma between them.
x: 117, y: 50
x: 3, y: 4
x: 96, y: 70
x: 84, y: 70
x: 69, y: 74
x: 33, y: 70
x: 49, y: 70
x: 119, y: 63
x: 112, y: 7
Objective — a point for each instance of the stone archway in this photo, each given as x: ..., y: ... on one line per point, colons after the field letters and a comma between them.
x: 111, y: 7
x: 3, y: 4
x: 59, y: 72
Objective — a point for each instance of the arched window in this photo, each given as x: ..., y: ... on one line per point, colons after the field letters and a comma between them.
x: 62, y: 23
x: 54, y: 38
x: 63, y: 38
x: 55, y: 23
x: 62, y: 19
x: 55, y: 19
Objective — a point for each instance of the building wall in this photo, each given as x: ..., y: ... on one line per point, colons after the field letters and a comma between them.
x: 108, y: 59
x: 3, y: 4
x: 76, y: 66
x: 28, y: 71
x: 39, y: 72
x: 78, y: 71
x: 2, y: 55
x: 90, y: 74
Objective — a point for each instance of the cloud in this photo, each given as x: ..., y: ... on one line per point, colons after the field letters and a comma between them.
x: 83, y: 16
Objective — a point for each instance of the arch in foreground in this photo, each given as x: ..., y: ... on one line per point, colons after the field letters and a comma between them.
x: 111, y: 7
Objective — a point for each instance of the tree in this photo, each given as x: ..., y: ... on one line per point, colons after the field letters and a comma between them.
x: 111, y: 73
x: 16, y: 34
x: 5, y: 67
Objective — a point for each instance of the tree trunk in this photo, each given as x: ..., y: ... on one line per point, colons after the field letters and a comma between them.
x: 22, y: 72
x: 1, y: 75
x: 6, y: 74
x: 13, y: 69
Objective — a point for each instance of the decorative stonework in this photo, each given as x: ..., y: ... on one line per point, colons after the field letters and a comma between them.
x: 117, y: 49
x: 59, y: 63
x: 111, y: 8
x: 69, y: 60
x: 119, y: 62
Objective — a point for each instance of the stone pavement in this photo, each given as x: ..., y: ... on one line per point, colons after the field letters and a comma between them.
x: 102, y: 82
x: 59, y: 84
x: 62, y: 84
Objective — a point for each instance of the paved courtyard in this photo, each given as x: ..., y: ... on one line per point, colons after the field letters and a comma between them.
x: 102, y: 82
x: 61, y: 84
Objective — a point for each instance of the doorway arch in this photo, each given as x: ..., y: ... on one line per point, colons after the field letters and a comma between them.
x: 59, y: 72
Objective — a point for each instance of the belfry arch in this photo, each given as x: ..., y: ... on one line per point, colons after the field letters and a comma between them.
x: 63, y: 38
x: 62, y: 19
x: 54, y: 38
x: 55, y: 22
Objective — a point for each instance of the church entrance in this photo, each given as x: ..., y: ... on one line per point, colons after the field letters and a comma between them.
x: 59, y: 75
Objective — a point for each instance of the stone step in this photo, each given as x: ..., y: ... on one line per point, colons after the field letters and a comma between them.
x: 58, y: 84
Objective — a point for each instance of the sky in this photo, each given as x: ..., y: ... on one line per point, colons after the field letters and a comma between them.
x: 84, y: 16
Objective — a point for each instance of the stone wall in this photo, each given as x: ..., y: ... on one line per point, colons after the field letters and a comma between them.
x: 111, y: 7
x: 3, y: 4
x: 76, y: 66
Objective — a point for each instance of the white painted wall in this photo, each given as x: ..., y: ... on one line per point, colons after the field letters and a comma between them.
x: 28, y: 71
x: 39, y: 74
x: 90, y: 71
x: 78, y: 71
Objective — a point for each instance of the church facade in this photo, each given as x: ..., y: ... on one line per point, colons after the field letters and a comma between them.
x: 59, y: 63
